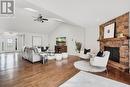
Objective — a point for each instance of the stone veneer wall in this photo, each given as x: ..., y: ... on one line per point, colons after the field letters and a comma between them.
x: 129, y: 44
x: 122, y: 26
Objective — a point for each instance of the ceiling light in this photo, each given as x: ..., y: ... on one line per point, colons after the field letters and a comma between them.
x: 30, y: 9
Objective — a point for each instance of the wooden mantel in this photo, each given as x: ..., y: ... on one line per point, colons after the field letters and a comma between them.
x: 113, y: 39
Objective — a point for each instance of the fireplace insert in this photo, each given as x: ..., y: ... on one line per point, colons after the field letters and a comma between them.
x: 114, y: 53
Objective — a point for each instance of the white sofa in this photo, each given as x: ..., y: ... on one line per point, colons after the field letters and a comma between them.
x: 34, y: 56
x: 31, y: 54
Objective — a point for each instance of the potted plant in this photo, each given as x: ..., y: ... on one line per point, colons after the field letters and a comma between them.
x: 78, y: 46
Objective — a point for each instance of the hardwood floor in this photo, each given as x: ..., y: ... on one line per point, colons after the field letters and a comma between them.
x: 17, y: 72
x: 21, y: 73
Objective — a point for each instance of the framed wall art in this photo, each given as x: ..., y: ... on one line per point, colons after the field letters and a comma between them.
x: 109, y: 31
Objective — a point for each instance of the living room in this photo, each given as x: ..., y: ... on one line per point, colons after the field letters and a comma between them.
x: 55, y: 43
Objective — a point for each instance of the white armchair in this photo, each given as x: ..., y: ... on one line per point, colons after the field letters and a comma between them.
x: 96, y: 64
x: 100, y: 61
x: 31, y: 54
x: 84, y: 56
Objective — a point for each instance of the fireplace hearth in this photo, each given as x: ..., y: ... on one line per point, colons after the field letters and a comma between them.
x: 114, y: 53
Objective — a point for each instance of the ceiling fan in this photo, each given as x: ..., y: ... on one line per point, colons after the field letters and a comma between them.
x: 42, y: 19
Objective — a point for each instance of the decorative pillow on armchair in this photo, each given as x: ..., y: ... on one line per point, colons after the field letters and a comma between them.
x: 100, y: 54
x: 86, y: 51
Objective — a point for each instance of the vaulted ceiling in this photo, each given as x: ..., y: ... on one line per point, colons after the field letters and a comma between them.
x: 84, y: 13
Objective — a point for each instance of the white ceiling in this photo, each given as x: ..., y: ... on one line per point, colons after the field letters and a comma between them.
x: 23, y: 20
x: 85, y: 13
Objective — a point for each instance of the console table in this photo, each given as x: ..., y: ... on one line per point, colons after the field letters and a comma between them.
x: 60, y: 49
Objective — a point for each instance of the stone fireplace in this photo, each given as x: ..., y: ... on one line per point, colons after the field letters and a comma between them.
x: 119, y: 52
x: 119, y: 44
x: 114, y: 53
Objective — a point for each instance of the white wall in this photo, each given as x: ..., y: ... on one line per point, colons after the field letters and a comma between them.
x: 20, y: 42
x: 91, y: 37
x: 28, y: 39
x: 72, y: 34
x: 23, y: 39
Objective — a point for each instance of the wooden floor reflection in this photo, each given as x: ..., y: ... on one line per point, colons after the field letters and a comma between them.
x: 17, y: 72
x: 9, y: 60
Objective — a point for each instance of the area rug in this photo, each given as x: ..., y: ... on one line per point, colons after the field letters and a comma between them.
x: 84, y: 79
x: 85, y: 66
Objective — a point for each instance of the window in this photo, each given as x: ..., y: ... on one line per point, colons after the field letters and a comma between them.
x: 10, y: 41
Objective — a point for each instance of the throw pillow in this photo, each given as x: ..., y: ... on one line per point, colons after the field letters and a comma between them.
x: 86, y: 51
x: 100, y: 54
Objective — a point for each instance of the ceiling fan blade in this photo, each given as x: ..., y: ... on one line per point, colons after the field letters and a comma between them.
x: 56, y: 19
x: 45, y: 19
